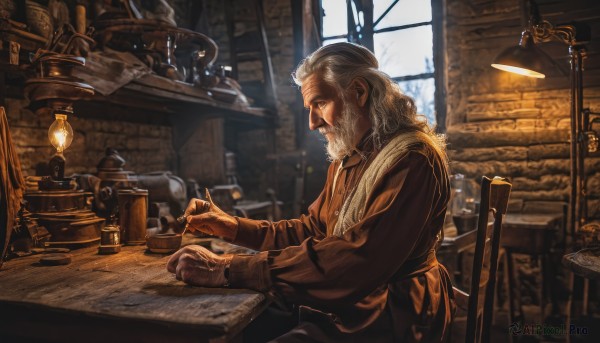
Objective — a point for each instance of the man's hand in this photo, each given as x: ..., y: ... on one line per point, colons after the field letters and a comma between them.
x: 205, y: 216
x: 198, y: 266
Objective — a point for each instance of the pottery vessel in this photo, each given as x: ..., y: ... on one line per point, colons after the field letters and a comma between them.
x: 38, y: 19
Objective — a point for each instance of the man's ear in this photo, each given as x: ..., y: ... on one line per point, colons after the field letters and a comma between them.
x: 359, y: 88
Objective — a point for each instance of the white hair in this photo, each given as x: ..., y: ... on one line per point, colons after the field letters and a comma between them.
x: 390, y: 111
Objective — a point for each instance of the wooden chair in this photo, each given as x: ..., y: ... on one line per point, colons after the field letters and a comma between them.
x: 479, y: 302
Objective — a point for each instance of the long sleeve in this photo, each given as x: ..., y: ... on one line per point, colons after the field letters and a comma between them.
x: 332, y: 273
x: 264, y: 235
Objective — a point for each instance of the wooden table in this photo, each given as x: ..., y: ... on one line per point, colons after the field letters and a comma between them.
x: 534, y: 235
x: 525, y: 233
x: 126, y: 297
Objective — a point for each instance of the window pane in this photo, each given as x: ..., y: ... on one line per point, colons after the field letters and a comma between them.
x: 404, y: 12
x: 336, y: 40
x: 405, y: 52
x: 422, y: 92
x: 335, y: 20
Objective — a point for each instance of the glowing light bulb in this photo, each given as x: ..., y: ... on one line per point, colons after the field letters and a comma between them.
x: 520, y: 71
x: 60, y: 133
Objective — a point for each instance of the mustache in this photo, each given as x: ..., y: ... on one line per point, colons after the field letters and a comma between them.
x: 325, y: 130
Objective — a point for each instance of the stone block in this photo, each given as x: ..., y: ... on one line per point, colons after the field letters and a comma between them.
x: 488, y: 154
x: 545, y: 182
x: 593, y: 208
x: 459, y: 137
x: 592, y: 164
x: 545, y: 151
x: 593, y: 184
x: 30, y: 136
x: 547, y: 166
x: 13, y: 108
x: 490, y: 168
x: 537, y: 195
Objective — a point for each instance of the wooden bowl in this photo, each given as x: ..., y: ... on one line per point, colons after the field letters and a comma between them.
x: 164, y: 243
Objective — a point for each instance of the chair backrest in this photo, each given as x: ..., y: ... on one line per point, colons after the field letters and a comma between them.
x: 494, y: 199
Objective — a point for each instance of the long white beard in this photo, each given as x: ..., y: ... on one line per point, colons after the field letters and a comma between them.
x: 344, y: 132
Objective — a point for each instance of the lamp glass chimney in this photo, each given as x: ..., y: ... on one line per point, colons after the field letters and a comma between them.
x: 60, y: 133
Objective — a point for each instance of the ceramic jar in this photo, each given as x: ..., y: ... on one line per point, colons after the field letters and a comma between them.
x: 38, y: 19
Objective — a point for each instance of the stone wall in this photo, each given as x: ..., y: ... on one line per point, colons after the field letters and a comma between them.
x: 145, y: 147
x: 148, y: 145
x: 511, y: 125
x: 258, y: 150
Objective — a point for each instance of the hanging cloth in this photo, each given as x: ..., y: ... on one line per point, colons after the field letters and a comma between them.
x: 12, y: 185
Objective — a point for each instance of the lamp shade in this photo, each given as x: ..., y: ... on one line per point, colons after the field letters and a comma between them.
x: 524, y: 59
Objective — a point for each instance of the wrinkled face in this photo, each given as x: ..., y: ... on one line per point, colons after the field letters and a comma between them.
x: 323, y: 103
x: 328, y: 113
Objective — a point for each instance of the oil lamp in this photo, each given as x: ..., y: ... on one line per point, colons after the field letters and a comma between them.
x: 57, y: 203
x: 60, y: 135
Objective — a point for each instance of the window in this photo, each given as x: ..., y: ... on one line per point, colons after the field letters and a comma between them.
x: 400, y: 34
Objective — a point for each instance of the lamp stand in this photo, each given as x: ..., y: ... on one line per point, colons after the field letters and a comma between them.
x: 578, y: 214
x: 578, y: 146
x: 544, y: 31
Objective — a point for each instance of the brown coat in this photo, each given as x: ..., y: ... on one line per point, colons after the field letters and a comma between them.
x: 381, y: 279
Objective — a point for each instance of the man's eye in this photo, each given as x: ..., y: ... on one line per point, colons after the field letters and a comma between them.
x: 321, y: 104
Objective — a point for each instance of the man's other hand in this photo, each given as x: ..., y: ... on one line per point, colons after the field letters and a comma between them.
x: 198, y: 266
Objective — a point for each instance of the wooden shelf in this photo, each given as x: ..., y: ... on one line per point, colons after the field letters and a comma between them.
x: 135, y: 87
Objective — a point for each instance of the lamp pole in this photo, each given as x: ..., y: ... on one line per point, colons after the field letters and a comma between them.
x: 578, y: 199
x: 543, y: 31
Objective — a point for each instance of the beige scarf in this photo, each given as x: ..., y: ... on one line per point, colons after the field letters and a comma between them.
x: 354, y: 206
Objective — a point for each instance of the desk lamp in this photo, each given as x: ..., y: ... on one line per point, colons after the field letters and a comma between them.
x: 526, y: 59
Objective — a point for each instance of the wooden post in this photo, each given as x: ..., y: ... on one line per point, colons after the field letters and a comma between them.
x: 80, y: 20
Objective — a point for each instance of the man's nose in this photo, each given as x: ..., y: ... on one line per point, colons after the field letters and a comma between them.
x: 315, y: 121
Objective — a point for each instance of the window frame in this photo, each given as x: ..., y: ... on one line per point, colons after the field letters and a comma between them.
x: 365, y: 36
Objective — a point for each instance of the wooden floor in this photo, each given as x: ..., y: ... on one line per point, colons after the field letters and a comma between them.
x: 500, y: 330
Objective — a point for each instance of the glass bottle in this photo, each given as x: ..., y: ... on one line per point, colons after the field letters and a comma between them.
x: 463, y: 205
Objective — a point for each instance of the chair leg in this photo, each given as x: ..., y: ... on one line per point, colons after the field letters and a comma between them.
x: 504, y: 282
x: 569, y: 304
x: 508, y: 286
x: 542, y: 288
x: 586, y: 290
x: 511, y: 287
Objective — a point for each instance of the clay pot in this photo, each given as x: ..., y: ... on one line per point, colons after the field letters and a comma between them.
x: 38, y: 19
